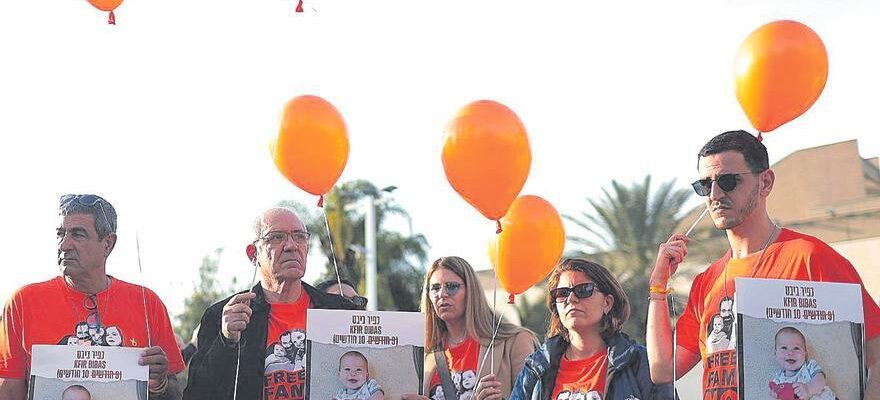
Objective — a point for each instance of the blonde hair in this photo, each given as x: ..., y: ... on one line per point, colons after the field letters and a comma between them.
x: 477, y: 314
x: 605, y: 283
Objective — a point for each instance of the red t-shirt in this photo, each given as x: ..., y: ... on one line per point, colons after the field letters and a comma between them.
x: 707, y: 324
x: 463, y: 361
x: 51, y: 312
x: 286, y: 350
x: 582, y: 379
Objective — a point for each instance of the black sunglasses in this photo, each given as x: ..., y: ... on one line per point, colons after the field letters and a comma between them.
x: 727, y: 182
x: 359, y: 301
x: 88, y: 200
x: 581, y: 291
x: 93, y: 319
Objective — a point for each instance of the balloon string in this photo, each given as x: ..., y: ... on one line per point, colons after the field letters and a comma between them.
x: 491, y: 349
x: 332, y: 252
x: 498, y: 226
x: 111, y: 20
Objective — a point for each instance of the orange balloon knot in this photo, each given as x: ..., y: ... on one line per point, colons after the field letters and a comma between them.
x: 111, y: 20
x: 498, y: 226
x: 299, y: 6
x: 321, y: 201
x: 760, y: 138
x: 510, y: 299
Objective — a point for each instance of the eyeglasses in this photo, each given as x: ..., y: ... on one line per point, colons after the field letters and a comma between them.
x: 93, y: 319
x: 278, y: 237
x: 727, y: 182
x: 451, y: 288
x: 581, y: 291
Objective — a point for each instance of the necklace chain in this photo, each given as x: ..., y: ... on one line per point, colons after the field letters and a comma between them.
x: 773, y: 233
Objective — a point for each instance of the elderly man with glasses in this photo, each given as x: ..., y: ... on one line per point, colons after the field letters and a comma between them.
x: 238, y: 335
x: 736, y: 179
x: 81, y: 303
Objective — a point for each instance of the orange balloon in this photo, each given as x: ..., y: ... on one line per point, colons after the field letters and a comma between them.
x: 781, y: 69
x: 530, y: 244
x: 311, y: 149
x: 106, y: 5
x: 486, y: 156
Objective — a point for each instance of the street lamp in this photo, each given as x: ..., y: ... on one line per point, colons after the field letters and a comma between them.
x: 370, y: 202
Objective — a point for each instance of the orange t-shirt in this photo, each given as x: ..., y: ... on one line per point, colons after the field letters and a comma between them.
x: 463, y: 361
x: 582, y: 379
x: 51, y: 312
x: 708, y: 326
x: 286, y: 350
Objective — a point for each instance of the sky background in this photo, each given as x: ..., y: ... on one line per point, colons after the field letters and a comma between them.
x: 169, y: 113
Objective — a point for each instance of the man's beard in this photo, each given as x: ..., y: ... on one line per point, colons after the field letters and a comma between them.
x: 743, y: 212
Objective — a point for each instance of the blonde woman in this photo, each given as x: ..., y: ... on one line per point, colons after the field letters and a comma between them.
x: 458, y: 331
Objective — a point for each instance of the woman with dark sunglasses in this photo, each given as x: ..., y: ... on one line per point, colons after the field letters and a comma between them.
x: 586, y: 355
x: 458, y: 332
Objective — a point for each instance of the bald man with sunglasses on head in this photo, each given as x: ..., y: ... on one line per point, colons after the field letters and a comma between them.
x: 736, y: 179
x: 83, y: 302
x: 236, y: 356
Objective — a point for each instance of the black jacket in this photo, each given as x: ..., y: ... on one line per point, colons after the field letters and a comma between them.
x: 628, y: 375
x: 212, y: 370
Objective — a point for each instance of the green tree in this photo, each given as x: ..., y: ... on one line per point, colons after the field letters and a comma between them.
x: 400, y: 257
x: 533, y: 314
x: 206, y: 291
x: 622, y: 229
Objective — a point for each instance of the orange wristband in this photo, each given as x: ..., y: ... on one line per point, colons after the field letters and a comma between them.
x: 659, y: 290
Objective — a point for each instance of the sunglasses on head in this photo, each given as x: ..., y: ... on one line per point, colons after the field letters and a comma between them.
x: 451, y: 288
x: 581, y: 291
x: 727, y: 182
x: 87, y: 200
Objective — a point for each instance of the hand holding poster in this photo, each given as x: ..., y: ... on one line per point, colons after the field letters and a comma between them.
x: 364, y: 354
x: 88, y: 372
x: 800, y: 339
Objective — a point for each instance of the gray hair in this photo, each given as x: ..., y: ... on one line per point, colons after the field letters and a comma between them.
x: 258, y: 222
x: 102, y: 210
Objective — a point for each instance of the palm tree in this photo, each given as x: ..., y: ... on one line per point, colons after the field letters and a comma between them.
x: 622, y: 230
x: 400, y: 258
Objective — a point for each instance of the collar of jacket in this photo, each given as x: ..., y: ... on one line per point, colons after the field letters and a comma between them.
x: 319, y: 299
x: 545, y: 363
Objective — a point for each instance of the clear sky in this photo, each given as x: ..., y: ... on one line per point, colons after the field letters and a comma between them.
x: 168, y: 114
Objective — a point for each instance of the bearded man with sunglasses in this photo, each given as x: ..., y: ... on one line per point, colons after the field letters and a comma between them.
x: 237, y: 338
x: 736, y: 178
x: 81, y: 303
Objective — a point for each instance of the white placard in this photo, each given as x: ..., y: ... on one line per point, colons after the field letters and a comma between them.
x: 376, y: 329
x: 799, y: 301
x: 93, y: 363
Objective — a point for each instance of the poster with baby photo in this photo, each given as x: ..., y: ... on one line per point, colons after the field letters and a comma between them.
x: 87, y: 373
x: 364, y: 354
x: 800, y: 340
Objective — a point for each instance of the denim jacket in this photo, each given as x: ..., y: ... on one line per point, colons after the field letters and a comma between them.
x: 629, y: 377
